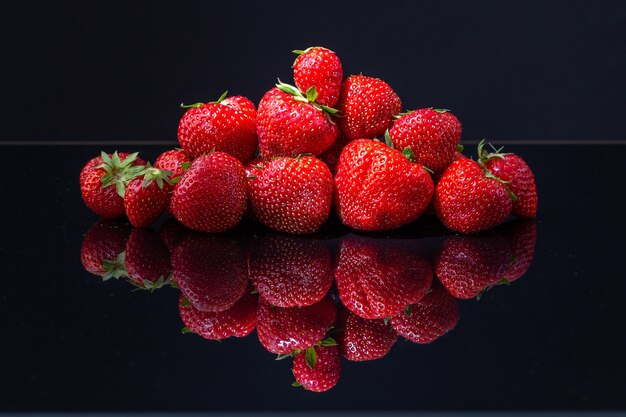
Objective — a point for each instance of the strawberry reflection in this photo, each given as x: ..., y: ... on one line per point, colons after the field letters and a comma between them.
x: 291, y: 271
x: 210, y: 271
x: 468, y: 266
x: 313, y: 300
x: 378, y: 278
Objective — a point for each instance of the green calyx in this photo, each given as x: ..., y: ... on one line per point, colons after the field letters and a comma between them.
x: 503, y: 281
x: 388, y: 140
x: 152, y: 286
x: 441, y: 110
x: 160, y: 176
x: 119, y: 173
x: 408, y: 153
x: 484, y: 156
x: 309, y: 97
x: 200, y: 104
x: 114, y: 268
x: 304, y: 51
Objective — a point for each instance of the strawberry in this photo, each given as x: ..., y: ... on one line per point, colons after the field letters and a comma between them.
x: 226, y: 125
x: 147, y: 260
x: 238, y: 321
x: 212, y: 195
x: 378, y: 188
x: 292, y: 195
x: 367, y: 106
x: 432, y: 317
x: 517, y: 174
x: 147, y: 196
x: 210, y: 271
x: 362, y: 339
x: 286, y: 330
x: 323, y: 375
x: 467, y: 265
x: 102, y: 251
x: 290, y: 272
x: 291, y: 123
x: 378, y: 279
x: 320, y: 68
x: 175, y: 161
x: 103, y: 182
x: 469, y: 199
x: 432, y: 134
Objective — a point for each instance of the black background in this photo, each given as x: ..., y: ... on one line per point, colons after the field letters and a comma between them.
x: 117, y: 71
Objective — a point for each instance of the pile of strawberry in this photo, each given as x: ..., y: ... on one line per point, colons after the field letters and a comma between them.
x: 324, y: 141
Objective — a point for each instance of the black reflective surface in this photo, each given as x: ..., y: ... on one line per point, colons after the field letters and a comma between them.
x: 551, y: 340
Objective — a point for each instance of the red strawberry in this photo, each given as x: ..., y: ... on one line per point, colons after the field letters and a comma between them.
x: 378, y: 279
x: 467, y: 265
x: 210, y: 271
x: 378, y: 188
x: 225, y: 125
x: 520, y: 179
x: 292, y: 195
x: 367, y: 106
x: 175, y: 161
x: 290, y: 272
x: 320, y: 68
x: 102, y: 252
x: 362, y: 339
x: 238, y: 321
x: 147, y: 260
x: 432, y: 134
x: 321, y: 377
x: 212, y: 195
x: 147, y: 196
x: 286, y: 330
x: 290, y: 123
x: 252, y: 169
x: 469, y: 199
x: 432, y: 317
x: 103, y: 182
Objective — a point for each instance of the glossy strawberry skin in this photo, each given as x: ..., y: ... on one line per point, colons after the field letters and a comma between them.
x: 429, y: 319
x: 172, y: 161
x: 211, y: 271
x: 287, y: 127
x: 224, y: 127
x: 105, y: 202
x: 513, y: 168
x: 324, y: 375
x: 291, y: 272
x: 362, y: 339
x: 237, y: 321
x: 467, y: 201
x: 284, y: 330
x: 377, y: 188
x: 378, y: 279
x: 292, y: 195
x: 147, y: 258
x: 144, y: 205
x: 105, y: 240
x: 367, y: 106
x: 212, y: 195
x: 320, y: 68
x: 432, y: 135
